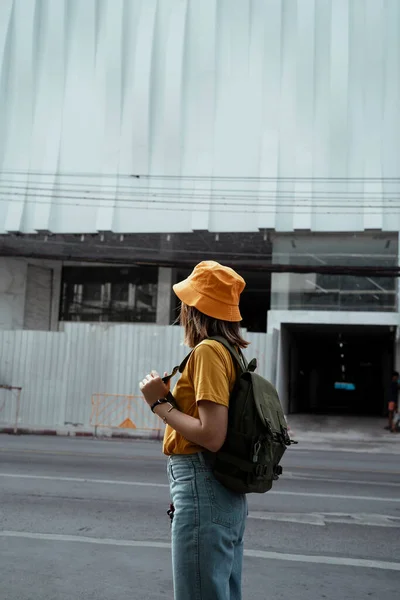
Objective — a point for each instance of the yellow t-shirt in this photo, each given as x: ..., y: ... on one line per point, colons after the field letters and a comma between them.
x: 209, y: 375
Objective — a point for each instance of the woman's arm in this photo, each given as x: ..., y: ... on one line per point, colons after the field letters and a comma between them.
x: 208, y: 431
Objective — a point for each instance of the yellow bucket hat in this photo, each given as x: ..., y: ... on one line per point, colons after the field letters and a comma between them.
x: 213, y: 289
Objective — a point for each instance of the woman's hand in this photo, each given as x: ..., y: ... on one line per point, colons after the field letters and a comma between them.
x: 153, y: 388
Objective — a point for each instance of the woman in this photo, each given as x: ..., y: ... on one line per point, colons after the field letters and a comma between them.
x: 209, y: 520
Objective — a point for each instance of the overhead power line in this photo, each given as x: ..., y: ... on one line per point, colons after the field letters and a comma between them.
x: 121, y: 203
x: 169, y: 188
x: 148, y: 176
x: 231, y: 194
x: 197, y: 203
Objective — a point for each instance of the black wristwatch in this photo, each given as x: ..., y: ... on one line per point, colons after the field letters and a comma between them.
x: 158, y: 402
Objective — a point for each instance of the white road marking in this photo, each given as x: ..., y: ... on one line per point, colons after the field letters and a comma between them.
x: 364, y: 447
x: 320, y: 519
x: 165, y: 485
x: 339, y: 496
x: 300, y: 518
x: 305, y: 558
x: 85, y: 480
x: 296, y: 477
x: 326, y: 560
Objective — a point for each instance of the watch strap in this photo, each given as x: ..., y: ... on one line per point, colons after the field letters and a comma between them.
x: 157, y: 403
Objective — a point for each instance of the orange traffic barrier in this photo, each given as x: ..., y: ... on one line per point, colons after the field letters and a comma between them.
x: 123, y: 412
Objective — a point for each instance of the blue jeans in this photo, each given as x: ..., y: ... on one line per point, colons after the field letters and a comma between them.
x: 207, y: 532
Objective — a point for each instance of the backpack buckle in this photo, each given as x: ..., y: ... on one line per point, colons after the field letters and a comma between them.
x: 260, y: 471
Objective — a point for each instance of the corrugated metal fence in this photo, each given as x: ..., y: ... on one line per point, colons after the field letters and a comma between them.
x: 60, y: 371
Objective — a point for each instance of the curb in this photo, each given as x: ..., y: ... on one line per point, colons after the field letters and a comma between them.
x: 306, y: 437
x: 83, y: 434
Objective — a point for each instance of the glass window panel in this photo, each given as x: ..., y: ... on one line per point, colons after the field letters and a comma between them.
x: 334, y: 291
x: 109, y: 294
x: 120, y: 292
x: 91, y: 292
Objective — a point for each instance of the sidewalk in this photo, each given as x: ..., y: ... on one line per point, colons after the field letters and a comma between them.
x: 343, y: 432
x: 317, y: 432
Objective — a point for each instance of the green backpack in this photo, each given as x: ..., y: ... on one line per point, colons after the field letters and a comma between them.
x: 257, y: 434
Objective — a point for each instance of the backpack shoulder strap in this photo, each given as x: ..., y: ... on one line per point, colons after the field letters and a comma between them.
x: 179, y: 368
x: 184, y: 362
x: 237, y: 356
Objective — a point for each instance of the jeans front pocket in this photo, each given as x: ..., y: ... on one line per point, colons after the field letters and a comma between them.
x: 182, y: 486
x: 227, y: 508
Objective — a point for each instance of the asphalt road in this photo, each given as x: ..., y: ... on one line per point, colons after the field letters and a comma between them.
x: 86, y: 519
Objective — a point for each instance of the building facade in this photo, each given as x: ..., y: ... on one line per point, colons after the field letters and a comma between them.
x: 138, y: 138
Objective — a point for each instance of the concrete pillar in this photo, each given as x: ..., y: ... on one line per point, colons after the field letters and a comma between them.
x: 280, y: 282
x: 29, y: 299
x: 13, y: 272
x: 280, y: 287
x: 56, y: 296
x: 164, y: 295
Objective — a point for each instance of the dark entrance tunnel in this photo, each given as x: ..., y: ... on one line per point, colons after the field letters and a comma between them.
x: 339, y: 370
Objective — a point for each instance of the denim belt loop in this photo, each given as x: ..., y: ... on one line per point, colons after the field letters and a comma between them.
x: 202, y: 460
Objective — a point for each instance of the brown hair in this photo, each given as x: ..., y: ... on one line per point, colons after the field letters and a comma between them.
x: 199, y: 326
